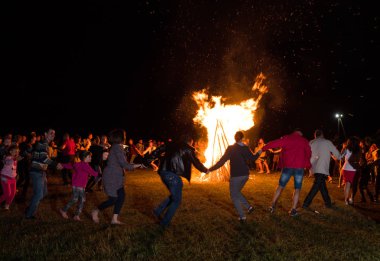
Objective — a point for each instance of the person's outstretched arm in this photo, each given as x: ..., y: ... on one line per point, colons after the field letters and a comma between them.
x: 226, y: 156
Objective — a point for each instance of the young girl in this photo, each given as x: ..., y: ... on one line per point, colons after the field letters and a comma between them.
x: 81, y: 172
x: 8, y: 176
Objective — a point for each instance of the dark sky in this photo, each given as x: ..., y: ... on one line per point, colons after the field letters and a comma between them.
x: 96, y: 65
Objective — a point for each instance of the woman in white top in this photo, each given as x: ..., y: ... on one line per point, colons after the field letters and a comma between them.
x: 351, y: 155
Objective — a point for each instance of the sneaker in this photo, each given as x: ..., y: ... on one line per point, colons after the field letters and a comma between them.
x: 63, y: 213
x: 271, y: 209
x: 77, y: 218
x: 242, y: 219
x: 293, y: 212
x: 94, y: 215
x: 250, y: 210
x: 350, y: 201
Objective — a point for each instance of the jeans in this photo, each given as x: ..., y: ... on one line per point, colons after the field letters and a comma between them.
x: 287, y: 173
x: 39, y: 192
x: 236, y: 185
x: 117, y: 202
x: 318, y: 185
x: 78, y: 193
x: 174, y: 184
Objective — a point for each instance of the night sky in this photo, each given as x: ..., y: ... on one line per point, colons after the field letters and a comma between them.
x: 98, y: 65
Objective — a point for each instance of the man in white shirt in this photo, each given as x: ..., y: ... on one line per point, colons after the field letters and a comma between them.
x: 321, y: 151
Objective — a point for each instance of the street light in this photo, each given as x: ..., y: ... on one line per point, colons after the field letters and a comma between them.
x: 339, y: 117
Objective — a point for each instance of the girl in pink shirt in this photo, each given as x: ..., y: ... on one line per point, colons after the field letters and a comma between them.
x: 81, y: 171
x: 8, y: 176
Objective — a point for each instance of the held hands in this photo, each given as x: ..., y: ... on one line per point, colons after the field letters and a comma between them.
x: 59, y: 166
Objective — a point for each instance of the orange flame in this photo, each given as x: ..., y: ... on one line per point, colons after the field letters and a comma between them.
x: 222, y: 121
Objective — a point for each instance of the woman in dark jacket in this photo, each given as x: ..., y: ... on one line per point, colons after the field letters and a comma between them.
x: 175, y: 163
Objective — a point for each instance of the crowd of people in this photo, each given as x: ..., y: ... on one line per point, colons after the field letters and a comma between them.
x: 101, y: 161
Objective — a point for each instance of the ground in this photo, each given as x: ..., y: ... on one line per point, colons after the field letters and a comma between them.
x: 205, y: 226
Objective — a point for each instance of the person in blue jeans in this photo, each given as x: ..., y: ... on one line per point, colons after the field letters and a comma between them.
x: 40, y: 161
x: 239, y: 155
x: 176, y: 162
x: 295, y: 157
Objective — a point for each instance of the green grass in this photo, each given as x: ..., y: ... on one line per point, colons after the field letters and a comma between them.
x: 205, y: 226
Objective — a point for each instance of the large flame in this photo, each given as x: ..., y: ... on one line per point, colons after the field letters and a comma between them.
x: 222, y: 121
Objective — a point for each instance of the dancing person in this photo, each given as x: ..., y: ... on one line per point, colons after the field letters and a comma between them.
x: 262, y: 161
x: 68, y: 156
x: 81, y: 171
x: 8, y: 175
x: 352, y: 156
x: 294, y: 158
x: 239, y: 155
x: 321, y: 151
x: 341, y: 182
x: 176, y: 162
x: 113, y: 177
x: 96, y: 163
x: 40, y: 161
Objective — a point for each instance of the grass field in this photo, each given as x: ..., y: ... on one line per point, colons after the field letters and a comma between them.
x: 205, y: 226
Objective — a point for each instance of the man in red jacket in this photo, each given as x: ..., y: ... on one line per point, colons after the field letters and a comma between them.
x: 294, y: 158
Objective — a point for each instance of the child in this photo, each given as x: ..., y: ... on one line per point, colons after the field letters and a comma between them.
x: 81, y: 172
x: 8, y: 176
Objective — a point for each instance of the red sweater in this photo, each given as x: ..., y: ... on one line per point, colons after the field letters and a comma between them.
x: 82, y: 170
x: 295, y: 153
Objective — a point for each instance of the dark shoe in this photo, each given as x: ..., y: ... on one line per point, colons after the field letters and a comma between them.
x: 363, y: 200
x: 156, y: 215
x: 293, y: 212
x: 250, y: 210
x: 331, y: 206
x: 306, y: 208
x: 164, y: 226
x: 243, y: 219
x: 31, y: 217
